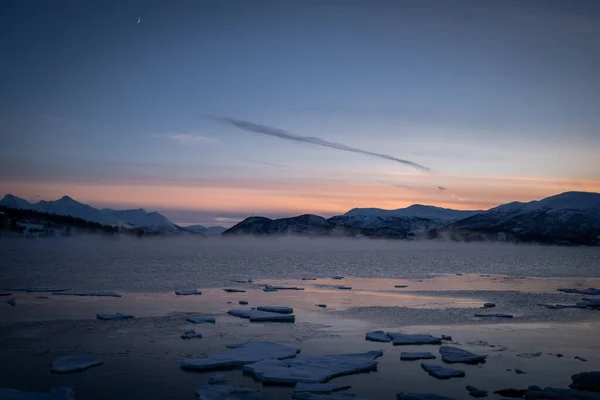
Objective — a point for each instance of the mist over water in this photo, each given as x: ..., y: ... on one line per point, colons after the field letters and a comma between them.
x: 165, y: 264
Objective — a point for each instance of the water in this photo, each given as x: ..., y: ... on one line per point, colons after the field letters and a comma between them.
x: 164, y: 264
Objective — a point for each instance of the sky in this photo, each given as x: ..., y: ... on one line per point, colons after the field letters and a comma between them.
x: 212, y: 111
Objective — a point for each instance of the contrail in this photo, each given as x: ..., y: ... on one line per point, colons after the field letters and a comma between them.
x: 279, y: 133
x: 445, y: 189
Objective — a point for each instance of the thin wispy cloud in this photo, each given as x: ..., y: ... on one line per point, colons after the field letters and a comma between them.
x: 270, y: 164
x: 282, y: 134
x: 186, y: 138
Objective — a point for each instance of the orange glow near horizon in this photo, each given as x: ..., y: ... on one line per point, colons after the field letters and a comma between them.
x: 299, y: 197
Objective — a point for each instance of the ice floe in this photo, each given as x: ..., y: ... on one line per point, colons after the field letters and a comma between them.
x: 455, y: 355
x: 275, y: 288
x: 243, y: 302
x: 12, y: 302
x: 440, y: 372
x: 201, y: 320
x: 586, y: 381
x: 243, y: 280
x: 39, y: 289
x: 269, y: 289
x: 446, y: 337
x: 337, y: 277
x: 187, y: 292
x: 313, y: 369
x: 319, y: 387
x: 559, y: 394
x: 113, y: 316
x: 309, y: 279
x: 88, y: 293
x: 75, y: 363
x: 587, y: 292
x: 493, y: 315
x: 276, y: 309
x: 321, y: 305
x: 421, y: 396
x: 400, y: 286
x: 513, y: 393
x: 230, y: 290
x: 262, y: 316
x: 3, y: 293
x: 406, y: 356
x: 378, y: 336
x: 224, y: 392
x: 191, y: 334
x: 406, y: 339
x: 217, y: 379
x: 590, y: 303
x: 581, y: 359
x: 474, y: 392
x: 63, y: 393
x: 489, y: 305
x: 342, y: 287
x: 239, y: 355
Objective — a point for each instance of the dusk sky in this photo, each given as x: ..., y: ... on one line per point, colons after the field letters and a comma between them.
x: 500, y: 99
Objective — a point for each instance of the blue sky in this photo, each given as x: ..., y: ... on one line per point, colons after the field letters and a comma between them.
x: 95, y: 104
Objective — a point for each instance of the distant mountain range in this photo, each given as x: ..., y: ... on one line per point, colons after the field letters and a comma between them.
x: 570, y: 218
x: 130, y: 219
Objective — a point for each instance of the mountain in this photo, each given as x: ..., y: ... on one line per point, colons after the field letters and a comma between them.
x: 67, y: 206
x: 416, y: 210
x: 400, y: 224
x: 152, y: 221
x: 568, y: 217
x: 208, y: 231
x: 11, y: 201
x: 306, y: 225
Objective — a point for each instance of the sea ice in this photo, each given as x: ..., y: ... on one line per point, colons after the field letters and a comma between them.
x: 113, y: 316
x: 590, y: 303
x: 313, y: 369
x: 446, y: 337
x: 229, y: 290
x: 319, y: 387
x: 262, y: 316
x: 337, y: 277
x: 442, y: 372
x: 342, y: 287
x: 223, y: 392
x: 321, y: 305
x: 405, y: 338
x: 12, y: 302
x: 269, y: 289
x: 243, y: 281
x: 587, y: 292
x: 549, y: 393
x: 75, y: 363
x: 282, y: 288
x: 456, y: 355
x: 400, y: 286
x: 276, y: 309
x: 39, y: 289
x: 489, y: 305
x: 309, y: 279
x: 474, y: 392
x: 416, y: 356
x: 217, y: 379
x: 378, y: 336
x: 63, y: 393
x: 586, y: 381
x: 191, y: 334
x: 3, y: 293
x: 243, y: 302
x: 239, y: 355
x: 493, y: 315
x: 420, y: 396
x: 88, y: 293
x: 187, y: 292
x: 201, y: 320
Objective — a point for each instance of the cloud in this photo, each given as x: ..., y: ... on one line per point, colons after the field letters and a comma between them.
x: 270, y: 164
x: 281, y: 134
x: 186, y: 138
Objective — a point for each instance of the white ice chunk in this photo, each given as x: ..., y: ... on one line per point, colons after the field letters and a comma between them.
x: 230, y: 290
x: 262, y: 316
x: 191, y: 334
x: 442, y: 372
x: 75, y: 363
x: 405, y: 339
x: 187, y: 292
x: 39, y: 289
x: 217, y: 379
x: 239, y: 355
x: 455, y: 355
x: 314, y: 369
x: 378, y: 336
x: 113, y: 316
x: 62, y: 393
x: 223, y: 392
x: 319, y: 387
x: 88, y: 293
x: 276, y: 309
x: 201, y: 320
x: 493, y: 315
x: 421, y: 396
x: 416, y: 356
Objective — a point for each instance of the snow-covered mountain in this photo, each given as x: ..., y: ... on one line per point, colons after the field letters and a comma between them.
x: 153, y: 221
x: 208, y: 231
x: 416, y: 210
x: 305, y: 225
x: 401, y: 224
